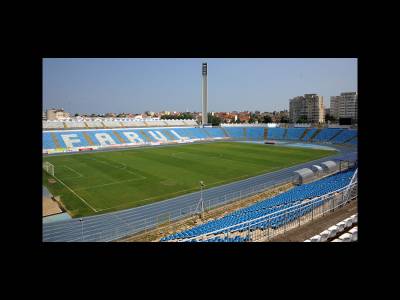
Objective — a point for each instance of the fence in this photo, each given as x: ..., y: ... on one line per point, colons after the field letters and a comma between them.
x: 268, y: 226
x: 166, y: 218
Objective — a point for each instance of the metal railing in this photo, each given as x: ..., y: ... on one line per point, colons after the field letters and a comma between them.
x: 273, y: 224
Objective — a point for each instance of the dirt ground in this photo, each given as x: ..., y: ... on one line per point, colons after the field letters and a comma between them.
x: 50, y: 207
x: 315, y: 227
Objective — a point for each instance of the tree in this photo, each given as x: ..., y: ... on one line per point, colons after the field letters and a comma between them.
x: 214, y: 120
x: 284, y: 119
x: 329, y: 117
x: 267, y: 119
x: 302, y: 119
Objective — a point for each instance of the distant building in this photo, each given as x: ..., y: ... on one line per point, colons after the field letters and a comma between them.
x: 44, y: 116
x: 345, y: 106
x: 309, y: 106
x: 56, y: 114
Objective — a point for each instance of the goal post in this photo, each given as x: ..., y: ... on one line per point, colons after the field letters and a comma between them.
x: 48, y: 167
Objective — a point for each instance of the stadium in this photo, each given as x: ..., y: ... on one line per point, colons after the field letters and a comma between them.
x: 121, y: 179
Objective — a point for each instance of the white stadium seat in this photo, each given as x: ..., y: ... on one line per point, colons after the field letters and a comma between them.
x: 346, y: 237
x: 316, y: 238
x: 341, y: 226
x: 337, y: 241
x: 324, y: 235
x: 333, y: 231
x: 355, y: 219
x: 354, y: 233
x: 307, y: 241
x: 349, y: 222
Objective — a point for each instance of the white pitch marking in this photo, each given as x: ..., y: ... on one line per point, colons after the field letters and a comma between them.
x: 111, y: 183
x: 79, y: 174
x: 76, y: 194
x: 119, y: 168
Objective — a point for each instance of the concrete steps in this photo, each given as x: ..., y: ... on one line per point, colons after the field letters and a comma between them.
x: 315, y: 134
x: 55, y: 140
x: 146, y: 137
x: 88, y: 139
x: 304, y: 133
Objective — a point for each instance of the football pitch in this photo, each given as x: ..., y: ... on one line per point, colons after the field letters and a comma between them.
x: 99, y: 182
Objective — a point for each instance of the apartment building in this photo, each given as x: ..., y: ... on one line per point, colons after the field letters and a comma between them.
x: 309, y: 106
x: 345, y: 106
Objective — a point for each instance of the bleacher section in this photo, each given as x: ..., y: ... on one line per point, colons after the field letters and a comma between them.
x: 140, y: 136
x: 276, y: 133
x: 235, y: 133
x: 339, y: 231
x: 53, y: 125
x: 344, y: 136
x: 295, y: 133
x: 353, y: 141
x: 114, y: 123
x: 94, y: 124
x: 75, y: 124
x: 309, y: 134
x: 255, y: 133
x: 326, y: 134
x: 266, y: 207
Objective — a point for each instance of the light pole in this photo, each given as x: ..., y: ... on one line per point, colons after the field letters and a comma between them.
x: 81, y: 220
x: 201, y: 197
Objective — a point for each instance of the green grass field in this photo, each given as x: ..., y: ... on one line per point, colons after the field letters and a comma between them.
x: 99, y: 182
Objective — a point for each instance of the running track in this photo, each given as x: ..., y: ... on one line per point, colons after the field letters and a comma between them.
x: 110, y: 226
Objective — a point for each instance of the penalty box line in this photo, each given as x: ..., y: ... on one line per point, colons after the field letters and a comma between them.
x: 83, y: 200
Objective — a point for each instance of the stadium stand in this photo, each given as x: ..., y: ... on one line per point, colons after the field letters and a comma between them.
x: 255, y: 133
x: 73, y: 138
x: 295, y: 133
x: 235, y: 132
x: 53, y: 125
x: 344, y: 136
x: 276, y: 133
x: 75, y: 124
x: 309, y: 134
x: 114, y: 123
x: 111, y: 124
x: 340, y: 232
x: 94, y: 124
x: 267, y: 207
x: 326, y: 134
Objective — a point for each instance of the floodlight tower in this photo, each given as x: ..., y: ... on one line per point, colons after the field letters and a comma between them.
x: 204, y: 115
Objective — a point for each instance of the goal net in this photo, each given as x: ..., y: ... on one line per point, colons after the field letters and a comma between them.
x: 48, y: 167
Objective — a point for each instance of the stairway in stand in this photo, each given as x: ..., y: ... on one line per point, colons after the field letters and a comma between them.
x: 336, y: 134
x: 285, y: 134
x: 304, y: 133
x: 314, y: 135
x: 226, y: 134
x: 146, y: 137
x: 350, y: 139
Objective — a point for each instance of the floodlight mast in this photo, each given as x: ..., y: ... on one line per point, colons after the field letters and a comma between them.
x: 204, y: 114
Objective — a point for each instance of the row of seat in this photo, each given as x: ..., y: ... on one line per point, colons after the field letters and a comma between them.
x: 115, y: 123
x: 118, y: 136
x: 335, y: 230
x: 280, y: 206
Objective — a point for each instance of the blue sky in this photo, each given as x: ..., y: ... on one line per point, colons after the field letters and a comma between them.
x: 174, y: 84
